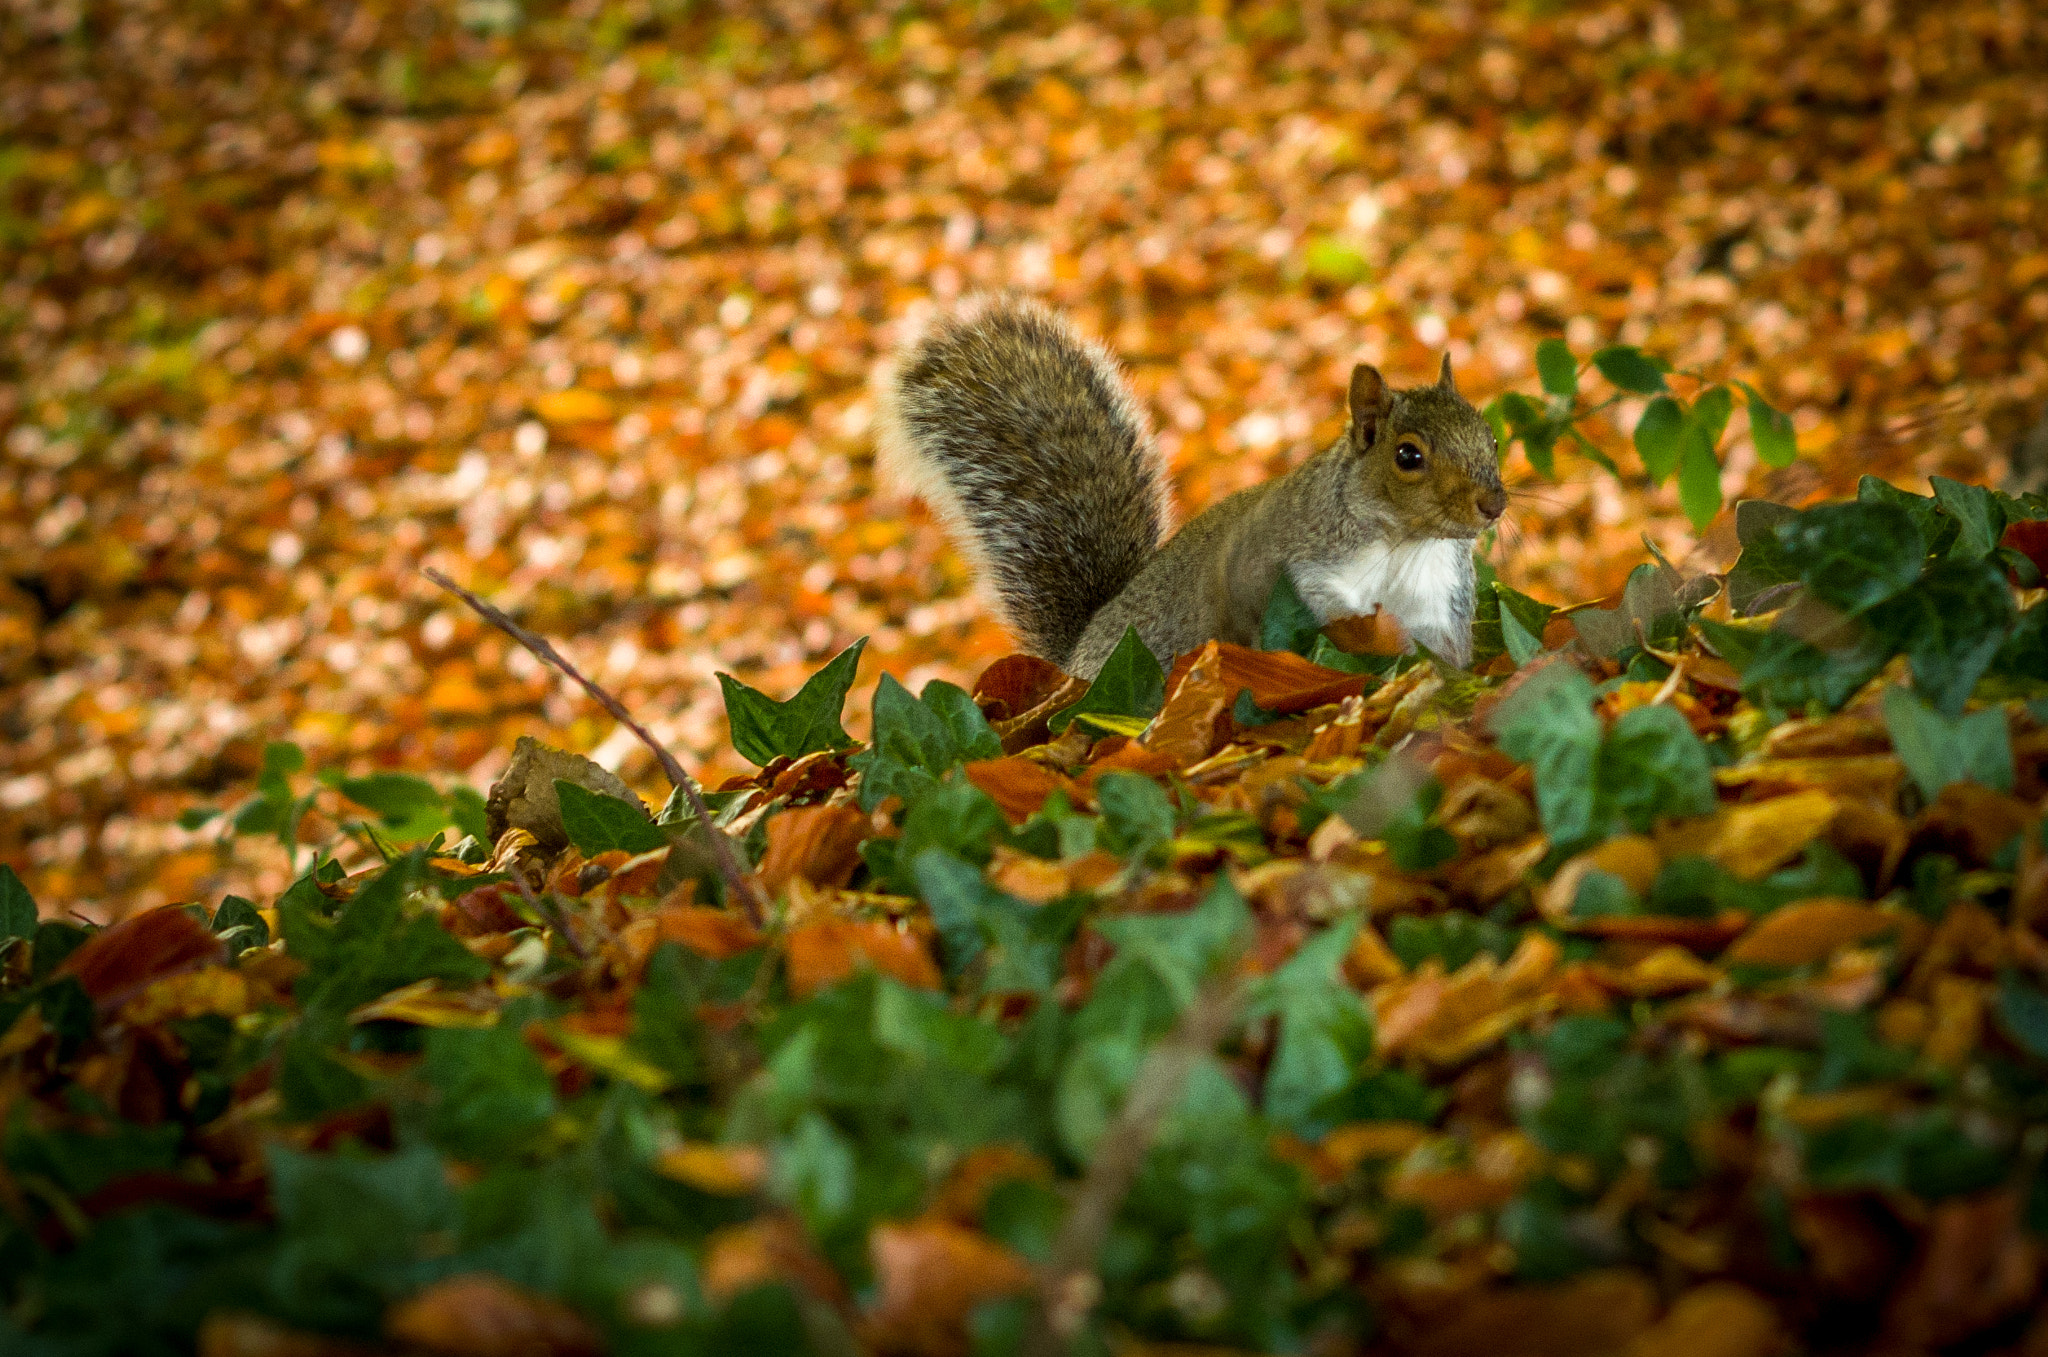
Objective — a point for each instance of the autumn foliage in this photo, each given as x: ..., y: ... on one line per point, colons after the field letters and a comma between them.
x: 1673, y: 981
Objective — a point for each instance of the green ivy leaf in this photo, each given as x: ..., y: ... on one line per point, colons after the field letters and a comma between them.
x: 1854, y: 556
x: 240, y: 925
x: 1938, y: 750
x: 1951, y: 625
x: 17, y: 909
x: 1699, y: 479
x: 1130, y: 683
x: 1980, y: 518
x: 1137, y: 814
x: 1549, y: 724
x: 2023, y: 1013
x: 764, y: 729
x: 1630, y: 369
x: 1937, y: 529
x: 1657, y: 437
x: 1325, y: 1032
x: 1763, y: 563
x: 1522, y: 622
x: 408, y: 808
x: 1770, y: 429
x: 1557, y: 368
x: 916, y: 739
x: 1288, y: 624
x: 1652, y: 765
x: 597, y: 823
x: 1183, y: 950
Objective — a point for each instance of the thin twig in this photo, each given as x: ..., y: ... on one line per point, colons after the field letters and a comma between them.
x: 1068, y: 1287
x: 738, y: 887
x: 552, y: 916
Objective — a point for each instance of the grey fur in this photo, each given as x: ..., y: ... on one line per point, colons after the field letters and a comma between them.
x: 1024, y: 438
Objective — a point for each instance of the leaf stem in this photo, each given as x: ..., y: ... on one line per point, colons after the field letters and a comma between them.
x: 737, y: 884
x: 1068, y: 1287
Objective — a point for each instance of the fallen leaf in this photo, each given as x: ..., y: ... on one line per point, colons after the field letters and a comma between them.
x: 827, y: 951
x: 930, y: 1274
x: 480, y: 1315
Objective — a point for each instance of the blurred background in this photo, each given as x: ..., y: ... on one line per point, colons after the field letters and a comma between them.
x: 578, y: 302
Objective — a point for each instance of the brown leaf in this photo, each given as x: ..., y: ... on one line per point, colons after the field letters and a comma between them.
x: 119, y: 960
x: 227, y: 1333
x: 1977, y: 1266
x: 1599, y: 1312
x: 1801, y: 934
x: 480, y: 1315
x: 1718, y: 1319
x: 1196, y: 717
x: 931, y: 1273
x: 821, y: 844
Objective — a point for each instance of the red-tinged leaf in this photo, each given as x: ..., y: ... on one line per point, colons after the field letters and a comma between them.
x: 2030, y: 539
x: 821, y: 844
x: 1017, y: 785
x: 480, y: 1315
x: 829, y: 950
x: 1014, y: 685
x: 117, y: 961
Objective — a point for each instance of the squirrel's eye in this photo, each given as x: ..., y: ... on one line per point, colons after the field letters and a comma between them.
x: 1408, y: 457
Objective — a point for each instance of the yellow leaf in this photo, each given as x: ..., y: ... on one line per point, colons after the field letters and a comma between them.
x: 722, y: 1170
x: 608, y: 1055
x: 425, y: 1004
x: 1756, y: 838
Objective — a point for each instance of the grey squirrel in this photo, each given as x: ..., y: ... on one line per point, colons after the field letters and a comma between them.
x: 1023, y: 438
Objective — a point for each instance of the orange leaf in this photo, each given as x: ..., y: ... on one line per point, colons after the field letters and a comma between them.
x: 979, y: 1172
x: 479, y: 1315
x: 1353, y: 1144
x: 1800, y: 934
x: 765, y: 1249
x: 931, y: 1273
x: 821, y: 844
x: 827, y: 951
x: 1019, y: 786
x: 709, y: 932
x: 577, y: 405
x: 115, y: 962
x: 1374, y: 633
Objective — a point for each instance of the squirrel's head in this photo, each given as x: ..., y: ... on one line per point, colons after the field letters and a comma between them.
x: 1425, y: 454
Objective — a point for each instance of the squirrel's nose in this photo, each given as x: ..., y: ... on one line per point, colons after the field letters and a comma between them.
x: 1491, y: 502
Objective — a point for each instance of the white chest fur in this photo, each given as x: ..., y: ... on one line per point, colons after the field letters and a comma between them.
x: 1417, y: 582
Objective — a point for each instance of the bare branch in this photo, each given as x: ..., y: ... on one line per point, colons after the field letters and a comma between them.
x: 548, y: 911
x: 1068, y: 1287
x: 737, y: 885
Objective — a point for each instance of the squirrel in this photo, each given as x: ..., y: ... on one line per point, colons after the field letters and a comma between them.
x: 1023, y: 438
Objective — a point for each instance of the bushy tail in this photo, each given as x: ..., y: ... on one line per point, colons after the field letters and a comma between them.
x: 1024, y: 440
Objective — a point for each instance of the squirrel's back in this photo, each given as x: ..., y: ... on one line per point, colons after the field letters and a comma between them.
x: 1022, y: 437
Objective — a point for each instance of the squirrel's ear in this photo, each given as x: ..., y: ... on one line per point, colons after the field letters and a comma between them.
x: 1444, y: 378
x: 1368, y: 402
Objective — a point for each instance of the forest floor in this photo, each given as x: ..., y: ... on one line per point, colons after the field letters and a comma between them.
x: 579, y: 305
